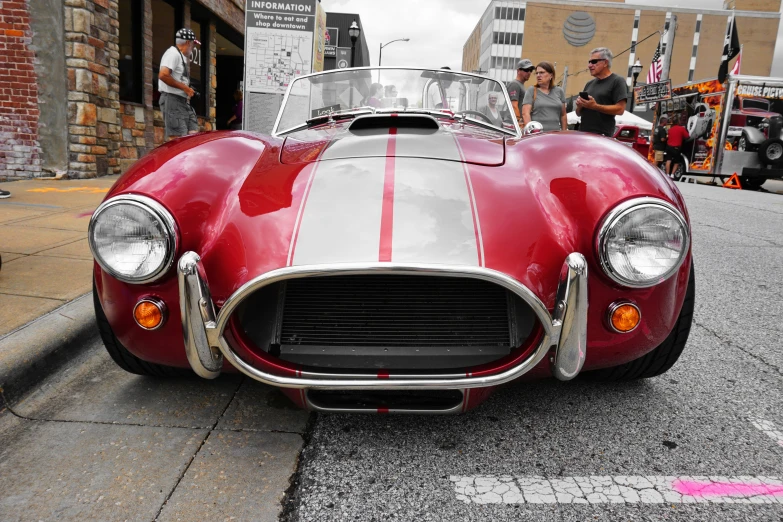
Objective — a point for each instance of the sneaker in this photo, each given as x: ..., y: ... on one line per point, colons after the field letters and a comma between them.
x: 4, y: 194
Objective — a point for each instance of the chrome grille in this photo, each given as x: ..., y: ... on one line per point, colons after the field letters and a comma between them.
x: 394, y: 311
x: 385, y: 321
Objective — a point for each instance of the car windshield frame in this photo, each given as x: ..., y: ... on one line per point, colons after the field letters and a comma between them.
x: 516, y: 133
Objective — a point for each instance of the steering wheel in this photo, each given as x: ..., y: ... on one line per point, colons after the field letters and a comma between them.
x: 477, y: 113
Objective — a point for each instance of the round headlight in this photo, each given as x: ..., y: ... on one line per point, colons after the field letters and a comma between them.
x: 133, y: 238
x: 643, y: 242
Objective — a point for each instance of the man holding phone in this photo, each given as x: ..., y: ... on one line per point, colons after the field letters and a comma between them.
x: 604, y: 97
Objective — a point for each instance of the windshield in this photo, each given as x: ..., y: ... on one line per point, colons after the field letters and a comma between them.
x: 437, y: 91
x: 751, y: 103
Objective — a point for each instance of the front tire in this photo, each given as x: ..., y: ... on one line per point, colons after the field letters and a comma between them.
x: 664, y: 356
x: 124, y: 359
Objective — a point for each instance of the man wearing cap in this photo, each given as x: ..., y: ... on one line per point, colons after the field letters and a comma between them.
x: 174, y: 86
x: 516, y: 88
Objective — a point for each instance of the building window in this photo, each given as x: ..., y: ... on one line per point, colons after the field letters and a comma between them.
x: 166, y: 20
x: 130, y: 62
x: 198, y: 66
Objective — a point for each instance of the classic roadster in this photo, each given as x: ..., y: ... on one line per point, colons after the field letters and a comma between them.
x: 403, y: 254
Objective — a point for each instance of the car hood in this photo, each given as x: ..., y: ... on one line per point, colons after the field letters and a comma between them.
x: 246, y: 213
x: 442, y: 141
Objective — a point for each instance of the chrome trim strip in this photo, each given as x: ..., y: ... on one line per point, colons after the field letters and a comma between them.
x: 614, y: 306
x: 198, y: 318
x: 618, y: 212
x: 164, y: 312
x: 450, y: 411
x: 201, y: 339
x: 571, y: 314
x: 158, y: 211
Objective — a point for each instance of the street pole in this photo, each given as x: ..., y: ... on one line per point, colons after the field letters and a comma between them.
x: 668, y: 43
x: 353, y: 51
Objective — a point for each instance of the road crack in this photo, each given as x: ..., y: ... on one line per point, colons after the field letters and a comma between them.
x: 759, y: 358
x: 198, y: 450
x: 693, y: 222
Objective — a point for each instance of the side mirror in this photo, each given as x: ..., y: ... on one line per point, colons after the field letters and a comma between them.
x: 532, y: 128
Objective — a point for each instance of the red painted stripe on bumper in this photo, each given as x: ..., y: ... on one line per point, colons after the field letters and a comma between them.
x: 387, y: 211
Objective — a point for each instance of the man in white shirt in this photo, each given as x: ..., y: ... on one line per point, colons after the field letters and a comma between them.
x: 174, y: 86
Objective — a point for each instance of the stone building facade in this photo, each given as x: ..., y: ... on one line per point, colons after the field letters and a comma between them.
x: 78, y: 79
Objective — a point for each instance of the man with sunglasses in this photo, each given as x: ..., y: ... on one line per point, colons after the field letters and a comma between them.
x: 516, y: 87
x: 607, y: 95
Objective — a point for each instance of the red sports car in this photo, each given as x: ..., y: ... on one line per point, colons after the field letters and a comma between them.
x: 403, y: 254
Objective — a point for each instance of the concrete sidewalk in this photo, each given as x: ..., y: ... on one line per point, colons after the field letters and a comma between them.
x: 46, y: 266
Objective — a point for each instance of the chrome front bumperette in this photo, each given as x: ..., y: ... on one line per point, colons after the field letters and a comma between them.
x: 206, y: 346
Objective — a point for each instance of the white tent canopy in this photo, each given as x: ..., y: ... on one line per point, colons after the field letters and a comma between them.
x: 625, y: 119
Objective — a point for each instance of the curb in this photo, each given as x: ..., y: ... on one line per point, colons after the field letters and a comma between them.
x: 38, y: 349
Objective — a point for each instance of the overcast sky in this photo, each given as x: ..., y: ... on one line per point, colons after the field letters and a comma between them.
x: 438, y: 28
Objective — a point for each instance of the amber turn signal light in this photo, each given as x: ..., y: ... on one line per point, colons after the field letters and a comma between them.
x: 624, y: 317
x: 150, y: 313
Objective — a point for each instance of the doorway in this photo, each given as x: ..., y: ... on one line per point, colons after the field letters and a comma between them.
x: 229, y: 66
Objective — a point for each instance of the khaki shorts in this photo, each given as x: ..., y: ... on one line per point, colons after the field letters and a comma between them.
x: 179, y: 118
x: 658, y: 155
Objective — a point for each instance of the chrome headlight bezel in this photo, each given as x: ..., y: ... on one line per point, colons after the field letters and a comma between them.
x: 159, y: 212
x: 622, y: 210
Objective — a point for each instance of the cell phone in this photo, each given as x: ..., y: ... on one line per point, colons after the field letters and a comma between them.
x: 584, y: 95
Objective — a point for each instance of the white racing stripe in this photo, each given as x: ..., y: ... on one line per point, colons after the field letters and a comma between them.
x: 498, y: 489
x: 433, y: 221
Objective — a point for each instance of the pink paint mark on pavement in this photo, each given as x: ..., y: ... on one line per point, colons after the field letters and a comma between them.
x: 725, y: 489
x: 84, y: 214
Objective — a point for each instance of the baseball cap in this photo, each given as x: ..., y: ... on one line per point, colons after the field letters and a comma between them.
x: 525, y: 64
x: 187, y: 34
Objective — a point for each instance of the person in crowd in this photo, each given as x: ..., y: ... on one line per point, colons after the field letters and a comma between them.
x: 516, y: 87
x: 678, y: 135
x: 376, y: 93
x: 607, y: 94
x: 544, y: 102
x: 235, y: 121
x: 659, y: 140
x: 491, y: 110
x: 4, y: 194
x: 179, y: 118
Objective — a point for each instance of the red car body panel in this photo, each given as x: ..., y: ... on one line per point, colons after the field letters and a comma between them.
x: 236, y: 198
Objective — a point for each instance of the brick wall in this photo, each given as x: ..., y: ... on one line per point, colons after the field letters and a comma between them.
x: 19, y: 148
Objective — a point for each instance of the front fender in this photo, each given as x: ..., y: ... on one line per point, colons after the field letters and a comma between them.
x: 753, y: 135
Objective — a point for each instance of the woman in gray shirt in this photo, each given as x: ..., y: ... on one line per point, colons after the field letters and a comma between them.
x: 544, y: 102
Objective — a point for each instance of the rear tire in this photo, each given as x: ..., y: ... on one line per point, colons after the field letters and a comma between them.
x: 662, y: 357
x: 752, y: 183
x: 124, y: 359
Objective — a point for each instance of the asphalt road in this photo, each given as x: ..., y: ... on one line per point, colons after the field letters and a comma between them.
x: 96, y: 443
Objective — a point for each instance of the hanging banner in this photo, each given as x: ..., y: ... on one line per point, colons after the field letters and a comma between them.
x: 320, y: 39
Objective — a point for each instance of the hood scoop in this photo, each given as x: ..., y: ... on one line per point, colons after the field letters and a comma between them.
x: 412, y: 136
x: 387, y: 121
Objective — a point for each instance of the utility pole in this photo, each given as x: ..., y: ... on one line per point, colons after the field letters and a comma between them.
x: 668, y: 47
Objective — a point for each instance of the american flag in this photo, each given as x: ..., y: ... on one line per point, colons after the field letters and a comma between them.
x: 656, y: 67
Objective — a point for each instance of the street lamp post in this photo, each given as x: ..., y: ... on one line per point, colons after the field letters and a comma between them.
x: 636, y: 69
x: 354, y: 33
x: 380, y: 53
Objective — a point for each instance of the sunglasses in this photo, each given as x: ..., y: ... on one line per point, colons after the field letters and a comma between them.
x: 596, y: 60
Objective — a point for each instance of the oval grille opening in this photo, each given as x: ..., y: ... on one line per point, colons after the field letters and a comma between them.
x: 386, y: 321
